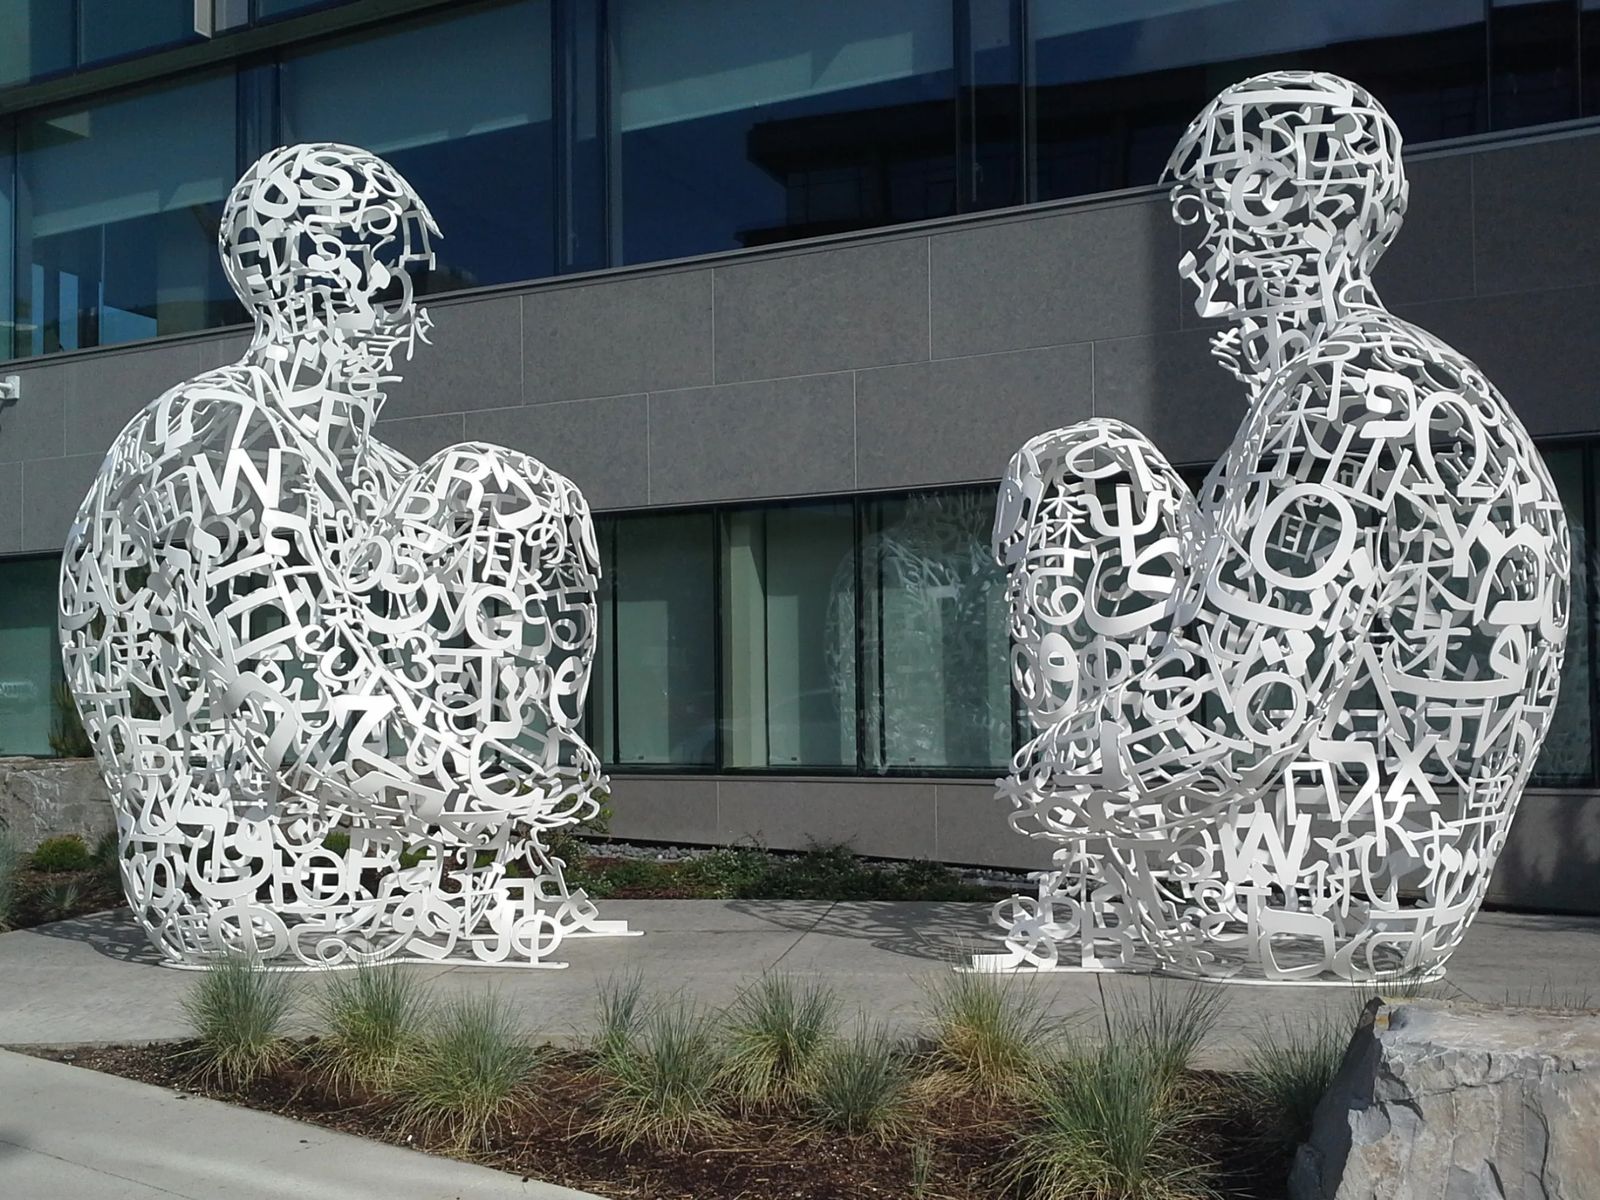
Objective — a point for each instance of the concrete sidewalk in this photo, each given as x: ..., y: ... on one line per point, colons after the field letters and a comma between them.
x: 95, y: 979
x: 71, y: 1134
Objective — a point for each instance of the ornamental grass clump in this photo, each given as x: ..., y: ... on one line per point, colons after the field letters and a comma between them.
x: 660, y: 1083
x: 987, y: 1032
x: 372, y: 1014
x: 1109, y: 1128
x: 468, y: 1072
x: 1168, y: 1027
x: 777, y: 1033
x: 1290, y: 1069
x: 623, y: 1008
x: 237, y: 1011
x: 863, y: 1086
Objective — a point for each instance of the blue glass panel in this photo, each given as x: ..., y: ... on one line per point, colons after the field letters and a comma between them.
x: 37, y: 39
x: 1117, y: 81
x: 741, y: 124
x: 461, y: 107
x: 110, y: 29
x: 117, y: 217
x: 30, y: 658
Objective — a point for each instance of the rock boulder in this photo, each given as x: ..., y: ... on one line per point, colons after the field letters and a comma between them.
x: 1448, y: 1101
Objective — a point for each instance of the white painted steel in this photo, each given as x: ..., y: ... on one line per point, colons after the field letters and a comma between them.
x: 1282, y: 726
x: 277, y: 627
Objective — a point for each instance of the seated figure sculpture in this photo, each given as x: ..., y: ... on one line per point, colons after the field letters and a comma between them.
x: 334, y: 694
x: 1282, y: 727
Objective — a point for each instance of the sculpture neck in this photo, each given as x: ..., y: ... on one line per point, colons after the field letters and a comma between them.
x: 329, y: 384
x: 1263, y: 341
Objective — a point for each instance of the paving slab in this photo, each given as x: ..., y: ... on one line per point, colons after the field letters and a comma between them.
x: 95, y: 980
x: 71, y: 1134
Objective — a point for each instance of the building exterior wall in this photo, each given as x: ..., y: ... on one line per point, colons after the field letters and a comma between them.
x: 915, y: 356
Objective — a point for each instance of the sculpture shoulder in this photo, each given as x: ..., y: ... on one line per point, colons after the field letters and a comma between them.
x: 1372, y: 349
x: 201, y: 417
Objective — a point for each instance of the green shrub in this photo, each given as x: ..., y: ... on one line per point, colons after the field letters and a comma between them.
x: 337, y: 842
x: 1290, y: 1069
x: 372, y: 1014
x: 778, y: 1031
x: 8, y: 878
x: 836, y: 873
x: 1108, y: 1128
x: 661, y: 1088
x: 862, y: 1086
x: 988, y: 1031
x: 725, y: 874
x: 467, y: 1074
x: 106, y: 858
x: 63, y: 853
x: 237, y: 1012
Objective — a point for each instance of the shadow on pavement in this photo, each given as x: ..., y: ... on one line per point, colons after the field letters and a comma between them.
x: 114, y: 934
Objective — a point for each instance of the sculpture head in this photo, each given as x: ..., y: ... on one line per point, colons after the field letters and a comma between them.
x: 319, y: 241
x: 1295, y: 182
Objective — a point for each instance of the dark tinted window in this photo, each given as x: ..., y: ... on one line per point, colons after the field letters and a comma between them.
x: 117, y: 217
x: 36, y: 39
x: 110, y: 29
x: 461, y: 107
x: 1116, y: 83
x: 755, y: 122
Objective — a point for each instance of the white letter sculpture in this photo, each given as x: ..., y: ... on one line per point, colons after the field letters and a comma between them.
x: 277, y: 628
x: 1282, y: 729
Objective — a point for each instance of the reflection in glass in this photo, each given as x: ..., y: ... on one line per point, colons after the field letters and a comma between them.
x: 1533, y: 57
x: 935, y: 642
x: 1116, y: 83
x: 111, y: 29
x: 37, y: 40
x: 1568, y: 753
x: 782, y: 589
x: 756, y: 122
x: 461, y: 107
x: 117, y: 218
x: 30, y: 661
x: 655, y: 673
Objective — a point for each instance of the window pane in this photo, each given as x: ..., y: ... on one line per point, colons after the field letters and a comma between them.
x: 745, y: 122
x: 657, y: 675
x: 115, y: 29
x: 117, y: 218
x: 8, y: 191
x: 37, y: 39
x: 461, y: 107
x: 934, y: 632
x: 30, y: 663
x: 1567, y: 755
x: 1117, y: 81
x: 788, y: 577
x: 1534, y: 55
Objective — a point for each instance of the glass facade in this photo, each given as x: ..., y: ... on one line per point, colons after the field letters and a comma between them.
x: 729, y: 639
x: 461, y: 107
x: 116, y: 217
x: 561, y: 135
x: 30, y: 660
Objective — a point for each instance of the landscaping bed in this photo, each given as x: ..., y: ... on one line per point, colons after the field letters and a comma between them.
x: 61, y: 879
x: 774, y: 1098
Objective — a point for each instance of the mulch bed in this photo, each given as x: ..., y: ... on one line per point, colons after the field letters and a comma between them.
x: 45, y: 896
x: 765, y: 1157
